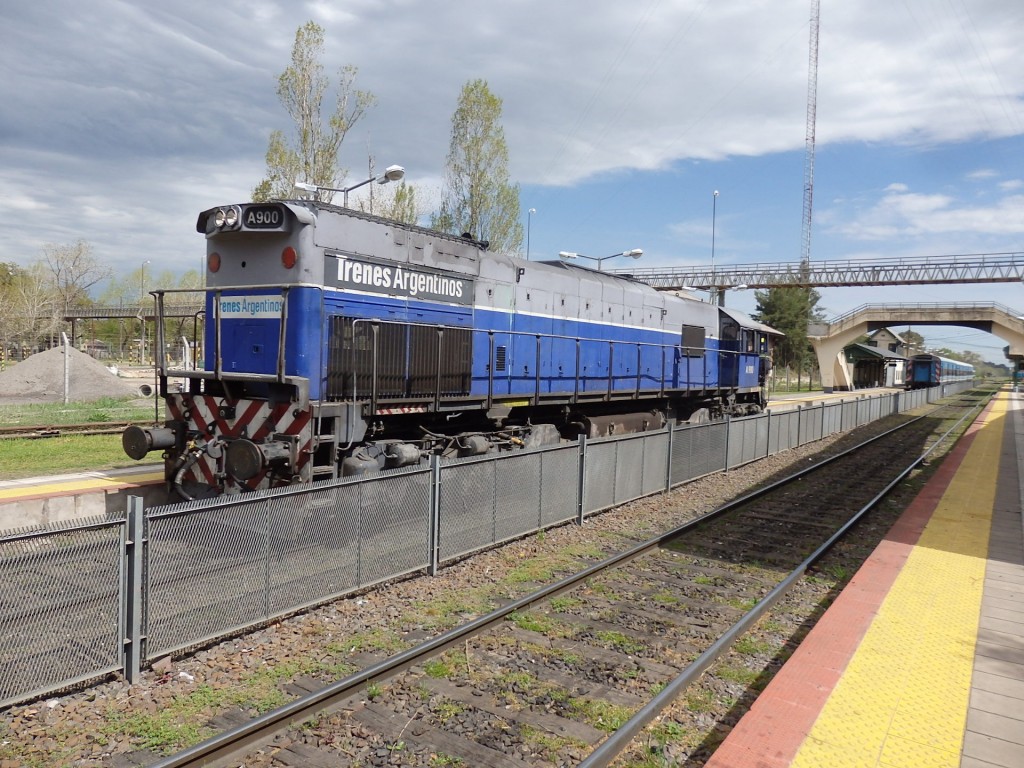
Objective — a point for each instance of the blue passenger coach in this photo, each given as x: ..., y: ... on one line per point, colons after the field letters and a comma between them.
x: 339, y: 343
x: 929, y: 370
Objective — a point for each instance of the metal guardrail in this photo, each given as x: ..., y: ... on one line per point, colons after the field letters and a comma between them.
x: 926, y: 307
x: 911, y: 270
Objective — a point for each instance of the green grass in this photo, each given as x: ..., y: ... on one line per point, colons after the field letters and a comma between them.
x: 752, y: 646
x: 621, y: 642
x: 601, y: 714
x: 534, y: 622
x: 70, y: 453
x: 52, y: 414
x: 60, y: 455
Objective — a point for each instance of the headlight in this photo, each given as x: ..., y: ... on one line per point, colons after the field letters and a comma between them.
x: 227, y: 218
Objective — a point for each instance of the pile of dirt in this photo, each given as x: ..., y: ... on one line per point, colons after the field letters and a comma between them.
x: 40, y: 379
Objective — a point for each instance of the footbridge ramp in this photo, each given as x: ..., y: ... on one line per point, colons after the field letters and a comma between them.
x: 829, y: 339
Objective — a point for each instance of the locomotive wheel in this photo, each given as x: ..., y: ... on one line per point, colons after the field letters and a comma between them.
x: 700, y: 416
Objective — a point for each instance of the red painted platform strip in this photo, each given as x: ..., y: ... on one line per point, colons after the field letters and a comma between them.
x: 770, y: 734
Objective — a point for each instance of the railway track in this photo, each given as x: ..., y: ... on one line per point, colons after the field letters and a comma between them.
x: 572, y: 673
x: 37, y: 432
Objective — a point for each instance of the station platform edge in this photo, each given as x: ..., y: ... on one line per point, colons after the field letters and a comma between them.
x: 920, y: 661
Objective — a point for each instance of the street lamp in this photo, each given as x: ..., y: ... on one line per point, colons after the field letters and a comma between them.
x: 636, y: 253
x: 714, y: 211
x: 391, y: 173
x: 529, y: 222
x: 142, y: 314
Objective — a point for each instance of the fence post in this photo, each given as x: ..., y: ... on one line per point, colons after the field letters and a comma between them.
x: 799, y: 432
x: 581, y: 473
x: 668, y: 462
x: 768, y: 435
x: 134, y: 545
x: 433, y: 539
x: 728, y: 432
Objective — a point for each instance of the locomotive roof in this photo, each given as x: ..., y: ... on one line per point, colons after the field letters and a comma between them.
x: 316, y: 205
x: 331, y: 208
x: 481, y: 244
x: 748, y: 322
x: 591, y: 271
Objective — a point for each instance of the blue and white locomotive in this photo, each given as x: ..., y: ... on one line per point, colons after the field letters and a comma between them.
x: 929, y: 370
x: 338, y: 343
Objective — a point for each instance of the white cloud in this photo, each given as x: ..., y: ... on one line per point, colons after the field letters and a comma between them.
x: 122, y: 119
x: 982, y: 174
x: 901, y: 214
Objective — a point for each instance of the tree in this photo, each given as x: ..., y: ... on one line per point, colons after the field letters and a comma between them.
x: 914, y: 342
x: 390, y: 201
x: 394, y: 201
x: 32, y: 308
x: 789, y: 309
x: 312, y: 154
x: 74, y: 271
x: 478, y: 198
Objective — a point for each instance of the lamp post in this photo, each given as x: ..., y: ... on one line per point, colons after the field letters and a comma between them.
x: 391, y: 173
x: 529, y: 223
x: 142, y: 313
x: 714, y: 211
x: 636, y: 253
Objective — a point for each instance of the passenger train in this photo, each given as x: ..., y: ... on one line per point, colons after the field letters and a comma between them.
x: 339, y: 343
x: 931, y: 370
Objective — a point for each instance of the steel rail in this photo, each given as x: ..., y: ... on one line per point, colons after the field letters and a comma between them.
x: 56, y: 430
x: 617, y: 742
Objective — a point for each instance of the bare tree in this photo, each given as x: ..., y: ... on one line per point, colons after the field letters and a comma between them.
x: 74, y: 271
x: 33, y: 310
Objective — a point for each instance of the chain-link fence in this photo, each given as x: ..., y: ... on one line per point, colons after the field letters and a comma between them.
x: 104, y: 596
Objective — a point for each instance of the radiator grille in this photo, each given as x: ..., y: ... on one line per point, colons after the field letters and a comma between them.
x: 409, y: 361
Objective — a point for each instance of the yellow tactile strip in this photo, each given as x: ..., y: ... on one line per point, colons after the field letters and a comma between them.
x: 71, y: 485
x: 902, y: 700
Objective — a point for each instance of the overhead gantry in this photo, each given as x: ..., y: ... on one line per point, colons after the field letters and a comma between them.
x: 829, y: 339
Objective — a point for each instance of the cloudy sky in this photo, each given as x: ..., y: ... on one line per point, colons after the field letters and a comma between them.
x: 121, y: 120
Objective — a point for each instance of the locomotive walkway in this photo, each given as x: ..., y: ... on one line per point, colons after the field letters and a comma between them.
x: 920, y: 661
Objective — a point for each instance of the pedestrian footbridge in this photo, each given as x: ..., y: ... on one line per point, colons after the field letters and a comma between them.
x: 829, y: 339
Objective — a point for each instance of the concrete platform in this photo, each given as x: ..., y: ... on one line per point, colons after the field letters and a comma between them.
x: 40, y: 500
x: 920, y: 661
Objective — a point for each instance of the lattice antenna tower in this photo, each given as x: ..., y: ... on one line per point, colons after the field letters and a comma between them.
x: 812, y: 112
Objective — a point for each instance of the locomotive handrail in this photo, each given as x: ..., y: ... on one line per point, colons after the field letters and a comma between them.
x: 705, y: 353
x: 218, y: 360
x: 678, y: 349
